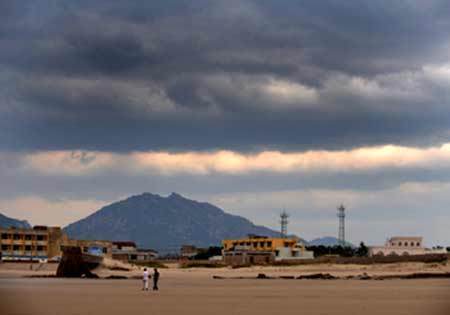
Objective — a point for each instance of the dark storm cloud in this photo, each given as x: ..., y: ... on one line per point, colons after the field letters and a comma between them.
x: 217, y: 74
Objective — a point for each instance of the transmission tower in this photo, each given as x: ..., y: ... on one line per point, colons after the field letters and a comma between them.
x: 284, y: 222
x: 341, y: 216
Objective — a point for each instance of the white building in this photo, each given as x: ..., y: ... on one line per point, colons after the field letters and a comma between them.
x: 293, y: 253
x: 403, y: 246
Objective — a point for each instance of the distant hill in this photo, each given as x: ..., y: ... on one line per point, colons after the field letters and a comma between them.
x: 164, y: 223
x: 6, y: 222
x: 326, y: 241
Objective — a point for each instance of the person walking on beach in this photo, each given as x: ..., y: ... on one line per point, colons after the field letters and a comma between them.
x: 145, y: 280
x: 155, y: 279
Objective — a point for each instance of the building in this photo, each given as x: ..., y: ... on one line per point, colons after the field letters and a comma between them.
x: 189, y: 251
x: 261, y: 249
x: 403, y: 246
x: 42, y: 243
x: 38, y: 243
x: 292, y: 253
x: 127, y: 251
x: 123, y: 246
x: 244, y: 256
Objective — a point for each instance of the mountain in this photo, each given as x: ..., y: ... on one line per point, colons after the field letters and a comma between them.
x: 6, y: 222
x: 327, y: 241
x: 164, y: 223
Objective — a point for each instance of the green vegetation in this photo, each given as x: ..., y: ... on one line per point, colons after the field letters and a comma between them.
x: 208, y: 253
x: 338, y: 250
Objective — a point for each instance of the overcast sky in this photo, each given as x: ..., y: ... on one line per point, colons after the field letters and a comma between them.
x: 255, y: 106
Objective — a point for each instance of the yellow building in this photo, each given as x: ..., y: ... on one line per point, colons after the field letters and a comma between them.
x: 43, y: 243
x: 259, y: 243
x: 262, y: 250
x: 40, y: 242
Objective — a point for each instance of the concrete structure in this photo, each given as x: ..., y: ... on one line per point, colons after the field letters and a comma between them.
x: 93, y: 247
x: 42, y: 243
x: 403, y: 246
x: 261, y: 249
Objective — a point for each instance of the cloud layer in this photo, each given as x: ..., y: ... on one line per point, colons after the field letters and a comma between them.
x: 78, y: 163
x: 254, y: 75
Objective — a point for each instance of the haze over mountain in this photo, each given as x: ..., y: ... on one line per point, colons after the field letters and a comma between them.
x: 6, y: 222
x: 164, y: 223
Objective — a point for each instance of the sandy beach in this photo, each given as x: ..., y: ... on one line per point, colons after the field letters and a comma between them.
x: 194, y: 291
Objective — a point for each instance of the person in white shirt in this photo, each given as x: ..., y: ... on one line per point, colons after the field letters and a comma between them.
x: 145, y: 280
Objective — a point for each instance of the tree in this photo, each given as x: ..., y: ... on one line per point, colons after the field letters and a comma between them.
x: 362, y: 250
x: 208, y: 253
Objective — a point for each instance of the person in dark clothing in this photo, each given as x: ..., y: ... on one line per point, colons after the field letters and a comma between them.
x: 155, y: 279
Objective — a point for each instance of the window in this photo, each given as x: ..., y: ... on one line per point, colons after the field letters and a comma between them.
x: 418, y: 244
x: 412, y: 244
x: 27, y: 247
x: 5, y: 236
x: 16, y: 247
x: 261, y: 244
x: 6, y: 247
x: 85, y: 249
x: 41, y: 238
x: 269, y: 244
x: 286, y: 244
x: 406, y: 244
x: 399, y: 243
x: 16, y: 236
x: 105, y: 250
x: 28, y: 237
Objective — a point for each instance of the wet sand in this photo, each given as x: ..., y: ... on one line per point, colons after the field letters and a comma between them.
x: 191, y: 292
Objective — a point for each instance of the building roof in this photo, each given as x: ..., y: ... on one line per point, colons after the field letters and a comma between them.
x: 406, y: 238
x: 125, y: 243
x: 147, y: 250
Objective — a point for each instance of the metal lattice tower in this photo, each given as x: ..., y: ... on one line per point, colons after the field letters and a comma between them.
x: 341, y: 216
x: 284, y: 222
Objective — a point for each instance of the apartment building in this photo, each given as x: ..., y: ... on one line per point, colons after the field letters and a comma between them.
x: 38, y: 243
